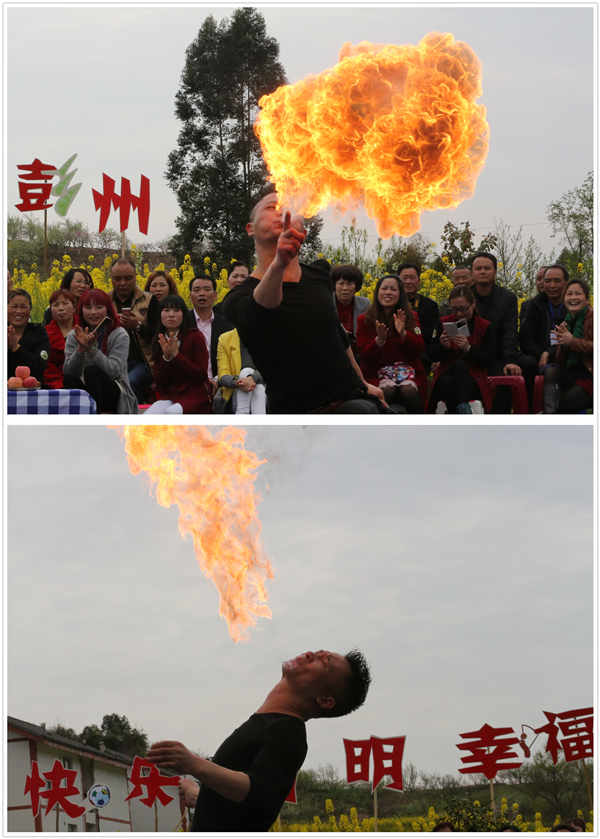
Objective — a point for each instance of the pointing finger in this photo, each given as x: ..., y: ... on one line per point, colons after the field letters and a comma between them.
x: 286, y: 220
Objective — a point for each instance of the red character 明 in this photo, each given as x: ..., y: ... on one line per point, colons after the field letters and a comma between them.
x: 35, y: 187
x: 152, y: 780
x: 57, y: 794
x: 124, y: 202
x: 491, y: 750
x: 577, y: 728
x: 387, y: 760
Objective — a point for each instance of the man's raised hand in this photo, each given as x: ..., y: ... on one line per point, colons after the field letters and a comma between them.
x: 171, y: 754
x: 290, y: 239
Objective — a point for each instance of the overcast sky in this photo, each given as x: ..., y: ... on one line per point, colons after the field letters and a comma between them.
x: 101, y: 82
x: 459, y: 560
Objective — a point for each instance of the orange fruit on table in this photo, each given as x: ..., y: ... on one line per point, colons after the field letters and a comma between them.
x: 15, y: 383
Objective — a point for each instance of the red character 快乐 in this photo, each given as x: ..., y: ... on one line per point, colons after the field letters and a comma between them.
x: 152, y: 780
x: 57, y: 794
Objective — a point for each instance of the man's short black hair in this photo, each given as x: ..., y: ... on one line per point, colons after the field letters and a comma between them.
x: 408, y: 265
x: 355, y: 689
x: 262, y: 194
x: 485, y: 255
x: 347, y: 272
x: 562, y: 268
x: 210, y: 280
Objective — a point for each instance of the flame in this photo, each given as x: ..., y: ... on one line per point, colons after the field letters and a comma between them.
x: 394, y: 127
x: 211, y: 479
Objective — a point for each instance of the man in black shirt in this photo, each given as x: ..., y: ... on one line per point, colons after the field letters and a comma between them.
x: 286, y: 317
x: 245, y: 784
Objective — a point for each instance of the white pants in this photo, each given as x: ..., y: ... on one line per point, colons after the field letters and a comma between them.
x: 164, y: 406
x: 253, y: 402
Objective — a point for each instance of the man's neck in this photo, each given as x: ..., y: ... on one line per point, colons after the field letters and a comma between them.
x: 265, y: 254
x: 280, y: 700
x: 204, y: 314
x: 485, y: 293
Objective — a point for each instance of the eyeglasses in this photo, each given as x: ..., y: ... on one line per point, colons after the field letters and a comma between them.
x: 459, y: 310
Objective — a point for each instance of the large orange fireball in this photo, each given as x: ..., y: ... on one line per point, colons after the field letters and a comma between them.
x: 211, y: 479
x: 394, y: 127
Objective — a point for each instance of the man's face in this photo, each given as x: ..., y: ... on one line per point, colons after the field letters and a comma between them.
x: 317, y: 675
x: 462, y: 276
x: 410, y: 280
x: 344, y: 291
x: 268, y: 222
x: 123, y: 280
x: 484, y: 275
x: 203, y: 294
x: 237, y: 276
x: 539, y: 279
x: 554, y: 284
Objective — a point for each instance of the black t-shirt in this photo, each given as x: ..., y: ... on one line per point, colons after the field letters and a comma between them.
x: 270, y: 749
x: 298, y: 347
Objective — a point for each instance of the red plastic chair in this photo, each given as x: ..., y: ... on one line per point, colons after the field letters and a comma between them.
x: 517, y: 386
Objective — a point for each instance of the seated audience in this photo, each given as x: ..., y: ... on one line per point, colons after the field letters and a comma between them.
x: 180, y: 363
x: 425, y: 308
x: 96, y: 353
x: 63, y: 318
x: 499, y: 306
x: 207, y: 320
x: 241, y: 386
x: 131, y: 304
x: 460, y: 382
x: 539, y: 285
x: 568, y: 377
x: 158, y: 285
x: 76, y: 280
x: 27, y: 342
x: 390, y: 346
x: 347, y: 281
x: 545, y: 312
x: 460, y: 275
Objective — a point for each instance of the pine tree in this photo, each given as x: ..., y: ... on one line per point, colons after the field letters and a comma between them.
x: 217, y: 170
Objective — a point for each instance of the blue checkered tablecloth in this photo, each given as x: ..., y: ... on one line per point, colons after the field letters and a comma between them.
x: 49, y: 402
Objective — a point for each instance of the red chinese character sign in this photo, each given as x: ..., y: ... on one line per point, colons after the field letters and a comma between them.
x: 146, y: 775
x: 124, y: 202
x: 577, y: 728
x: 491, y: 750
x: 56, y: 794
x: 387, y: 760
x: 35, y: 186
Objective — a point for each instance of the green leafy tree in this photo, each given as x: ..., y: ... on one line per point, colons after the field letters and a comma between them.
x: 92, y: 736
x: 572, y: 219
x: 459, y: 243
x: 217, y: 170
x: 118, y: 735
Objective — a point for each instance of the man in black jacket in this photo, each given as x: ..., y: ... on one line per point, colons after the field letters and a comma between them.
x: 544, y: 313
x: 427, y: 309
x: 245, y: 784
x: 207, y: 320
x: 499, y: 305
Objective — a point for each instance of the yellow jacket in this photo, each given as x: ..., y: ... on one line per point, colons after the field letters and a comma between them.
x: 229, y: 358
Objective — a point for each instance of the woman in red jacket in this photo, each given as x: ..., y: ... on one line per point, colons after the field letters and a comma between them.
x: 63, y: 318
x: 180, y: 363
x: 390, y: 346
x: 460, y: 384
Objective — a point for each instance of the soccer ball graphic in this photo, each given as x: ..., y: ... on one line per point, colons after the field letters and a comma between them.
x: 99, y: 795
